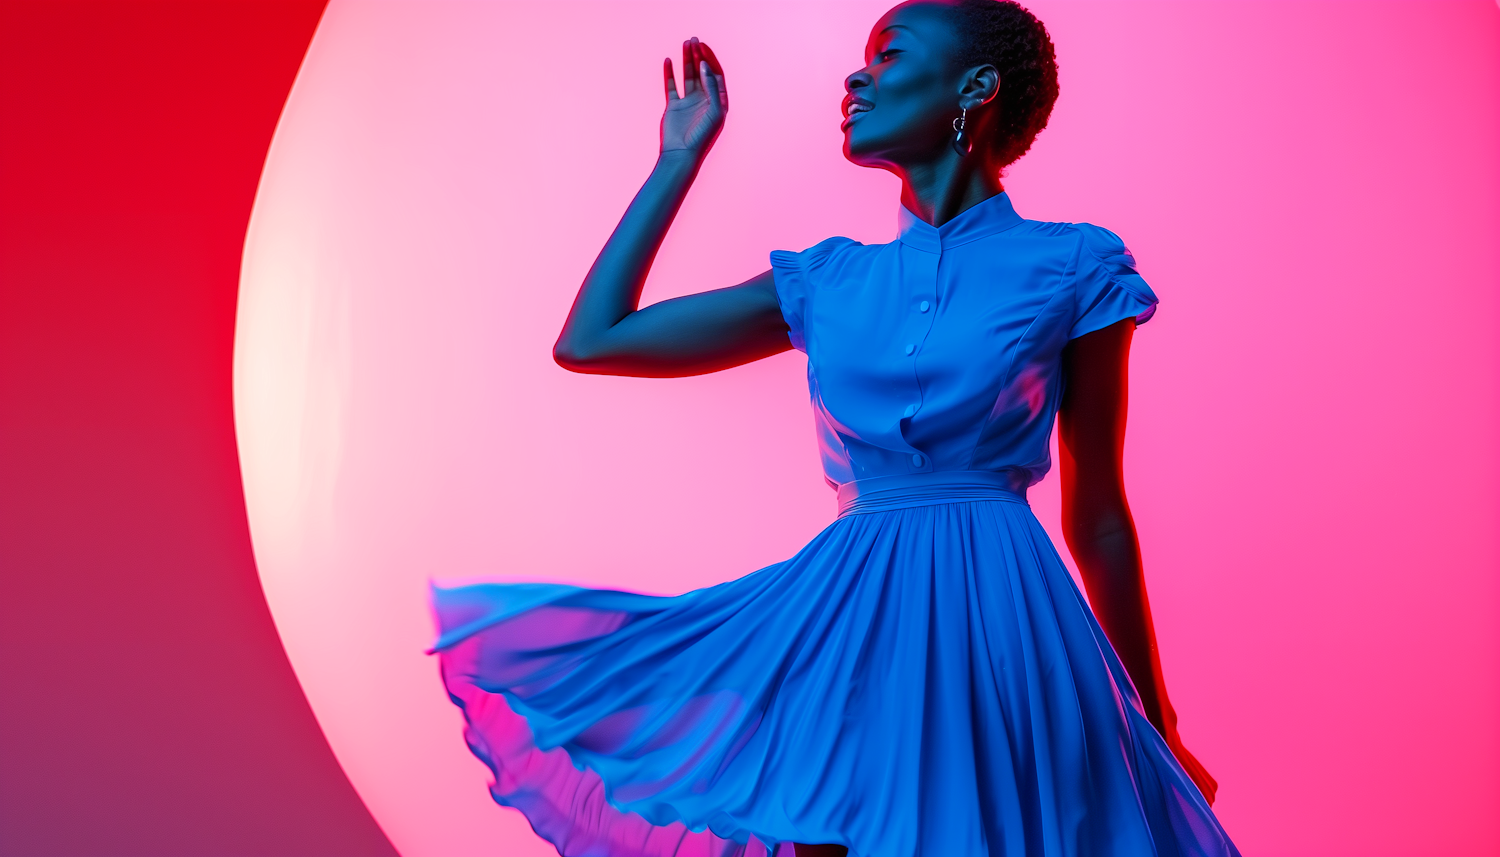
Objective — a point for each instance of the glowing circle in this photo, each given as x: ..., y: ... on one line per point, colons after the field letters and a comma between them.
x: 444, y: 173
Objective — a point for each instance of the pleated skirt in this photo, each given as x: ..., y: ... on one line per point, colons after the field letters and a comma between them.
x: 923, y: 679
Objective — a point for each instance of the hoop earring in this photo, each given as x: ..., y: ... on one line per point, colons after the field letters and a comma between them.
x: 962, y: 143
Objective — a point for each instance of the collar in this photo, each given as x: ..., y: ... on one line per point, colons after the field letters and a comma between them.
x: 995, y: 214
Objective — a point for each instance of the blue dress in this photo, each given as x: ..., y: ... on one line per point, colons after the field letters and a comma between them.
x: 923, y: 679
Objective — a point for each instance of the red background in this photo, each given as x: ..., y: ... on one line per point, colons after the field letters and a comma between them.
x: 132, y: 137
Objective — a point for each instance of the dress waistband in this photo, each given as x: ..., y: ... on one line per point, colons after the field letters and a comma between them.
x: 882, y: 493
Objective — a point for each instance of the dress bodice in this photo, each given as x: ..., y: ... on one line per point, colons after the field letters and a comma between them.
x: 941, y: 351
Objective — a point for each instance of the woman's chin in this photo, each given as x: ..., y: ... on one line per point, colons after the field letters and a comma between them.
x: 863, y: 149
x: 859, y: 155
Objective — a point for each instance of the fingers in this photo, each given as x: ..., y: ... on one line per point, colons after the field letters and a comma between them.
x: 1197, y: 773
x: 701, y: 71
x: 669, y: 80
x: 711, y: 88
x: 713, y: 61
x: 719, y: 90
x: 690, y: 81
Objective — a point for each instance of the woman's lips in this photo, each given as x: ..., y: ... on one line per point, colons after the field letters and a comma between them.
x: 853, y: 108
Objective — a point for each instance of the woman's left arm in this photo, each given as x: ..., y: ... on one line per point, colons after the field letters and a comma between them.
x: 1097, y: 523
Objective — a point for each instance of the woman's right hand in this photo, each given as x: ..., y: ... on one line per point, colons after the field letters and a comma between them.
x: 692, y: 121
x: 607, y: 332
x: 1193, y: 768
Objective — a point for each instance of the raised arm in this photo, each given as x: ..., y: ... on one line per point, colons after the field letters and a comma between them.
x: 605, y: 333
x: 1098, y: 526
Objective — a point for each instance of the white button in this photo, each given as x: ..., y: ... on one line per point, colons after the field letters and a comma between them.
x: 911, y: 409
x: 910, y: 348
x: 924, y: 306
x: 916, y: 459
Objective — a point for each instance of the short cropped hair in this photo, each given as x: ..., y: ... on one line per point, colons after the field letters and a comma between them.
x: 1005, y: 35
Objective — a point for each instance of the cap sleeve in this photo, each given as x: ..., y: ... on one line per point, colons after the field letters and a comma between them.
x: 797, y: 277
x: 1108, y: 289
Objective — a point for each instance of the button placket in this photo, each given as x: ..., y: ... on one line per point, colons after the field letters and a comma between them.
x: 921, y: 326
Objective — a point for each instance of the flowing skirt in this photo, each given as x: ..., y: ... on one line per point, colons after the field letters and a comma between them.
x: 923, y: 679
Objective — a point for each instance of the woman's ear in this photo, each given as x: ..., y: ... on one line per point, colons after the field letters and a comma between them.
x: 980, y: 86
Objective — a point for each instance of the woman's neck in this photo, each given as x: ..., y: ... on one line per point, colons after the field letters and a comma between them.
x: 944, y: 188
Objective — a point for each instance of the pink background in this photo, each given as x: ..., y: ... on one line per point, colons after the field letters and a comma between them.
x: 1312, y: 189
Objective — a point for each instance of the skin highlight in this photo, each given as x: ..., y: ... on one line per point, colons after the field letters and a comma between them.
x: 898, y: 116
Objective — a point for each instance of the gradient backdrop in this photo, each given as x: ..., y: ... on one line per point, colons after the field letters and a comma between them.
x: 1312, y: 188
x: 146, y: 707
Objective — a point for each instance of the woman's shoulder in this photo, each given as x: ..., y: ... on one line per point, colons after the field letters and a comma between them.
x: 1084, y: 237
x: 820, y: 252
x: 1104, y: 245
x: 1105, y: 282
x: 831, y: 257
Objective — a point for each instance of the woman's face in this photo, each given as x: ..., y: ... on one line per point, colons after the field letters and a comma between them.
x: 900, y: 107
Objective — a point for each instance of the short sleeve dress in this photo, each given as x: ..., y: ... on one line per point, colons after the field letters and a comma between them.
x: 923, y: 679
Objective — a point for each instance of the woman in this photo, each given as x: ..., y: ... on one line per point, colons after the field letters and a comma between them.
x: 923, y: 678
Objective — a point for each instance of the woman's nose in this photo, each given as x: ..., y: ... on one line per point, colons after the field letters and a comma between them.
x: 859, y: 80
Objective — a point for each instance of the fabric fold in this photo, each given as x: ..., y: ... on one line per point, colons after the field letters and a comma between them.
x: 1108, y: 287
x: 916, y: 681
